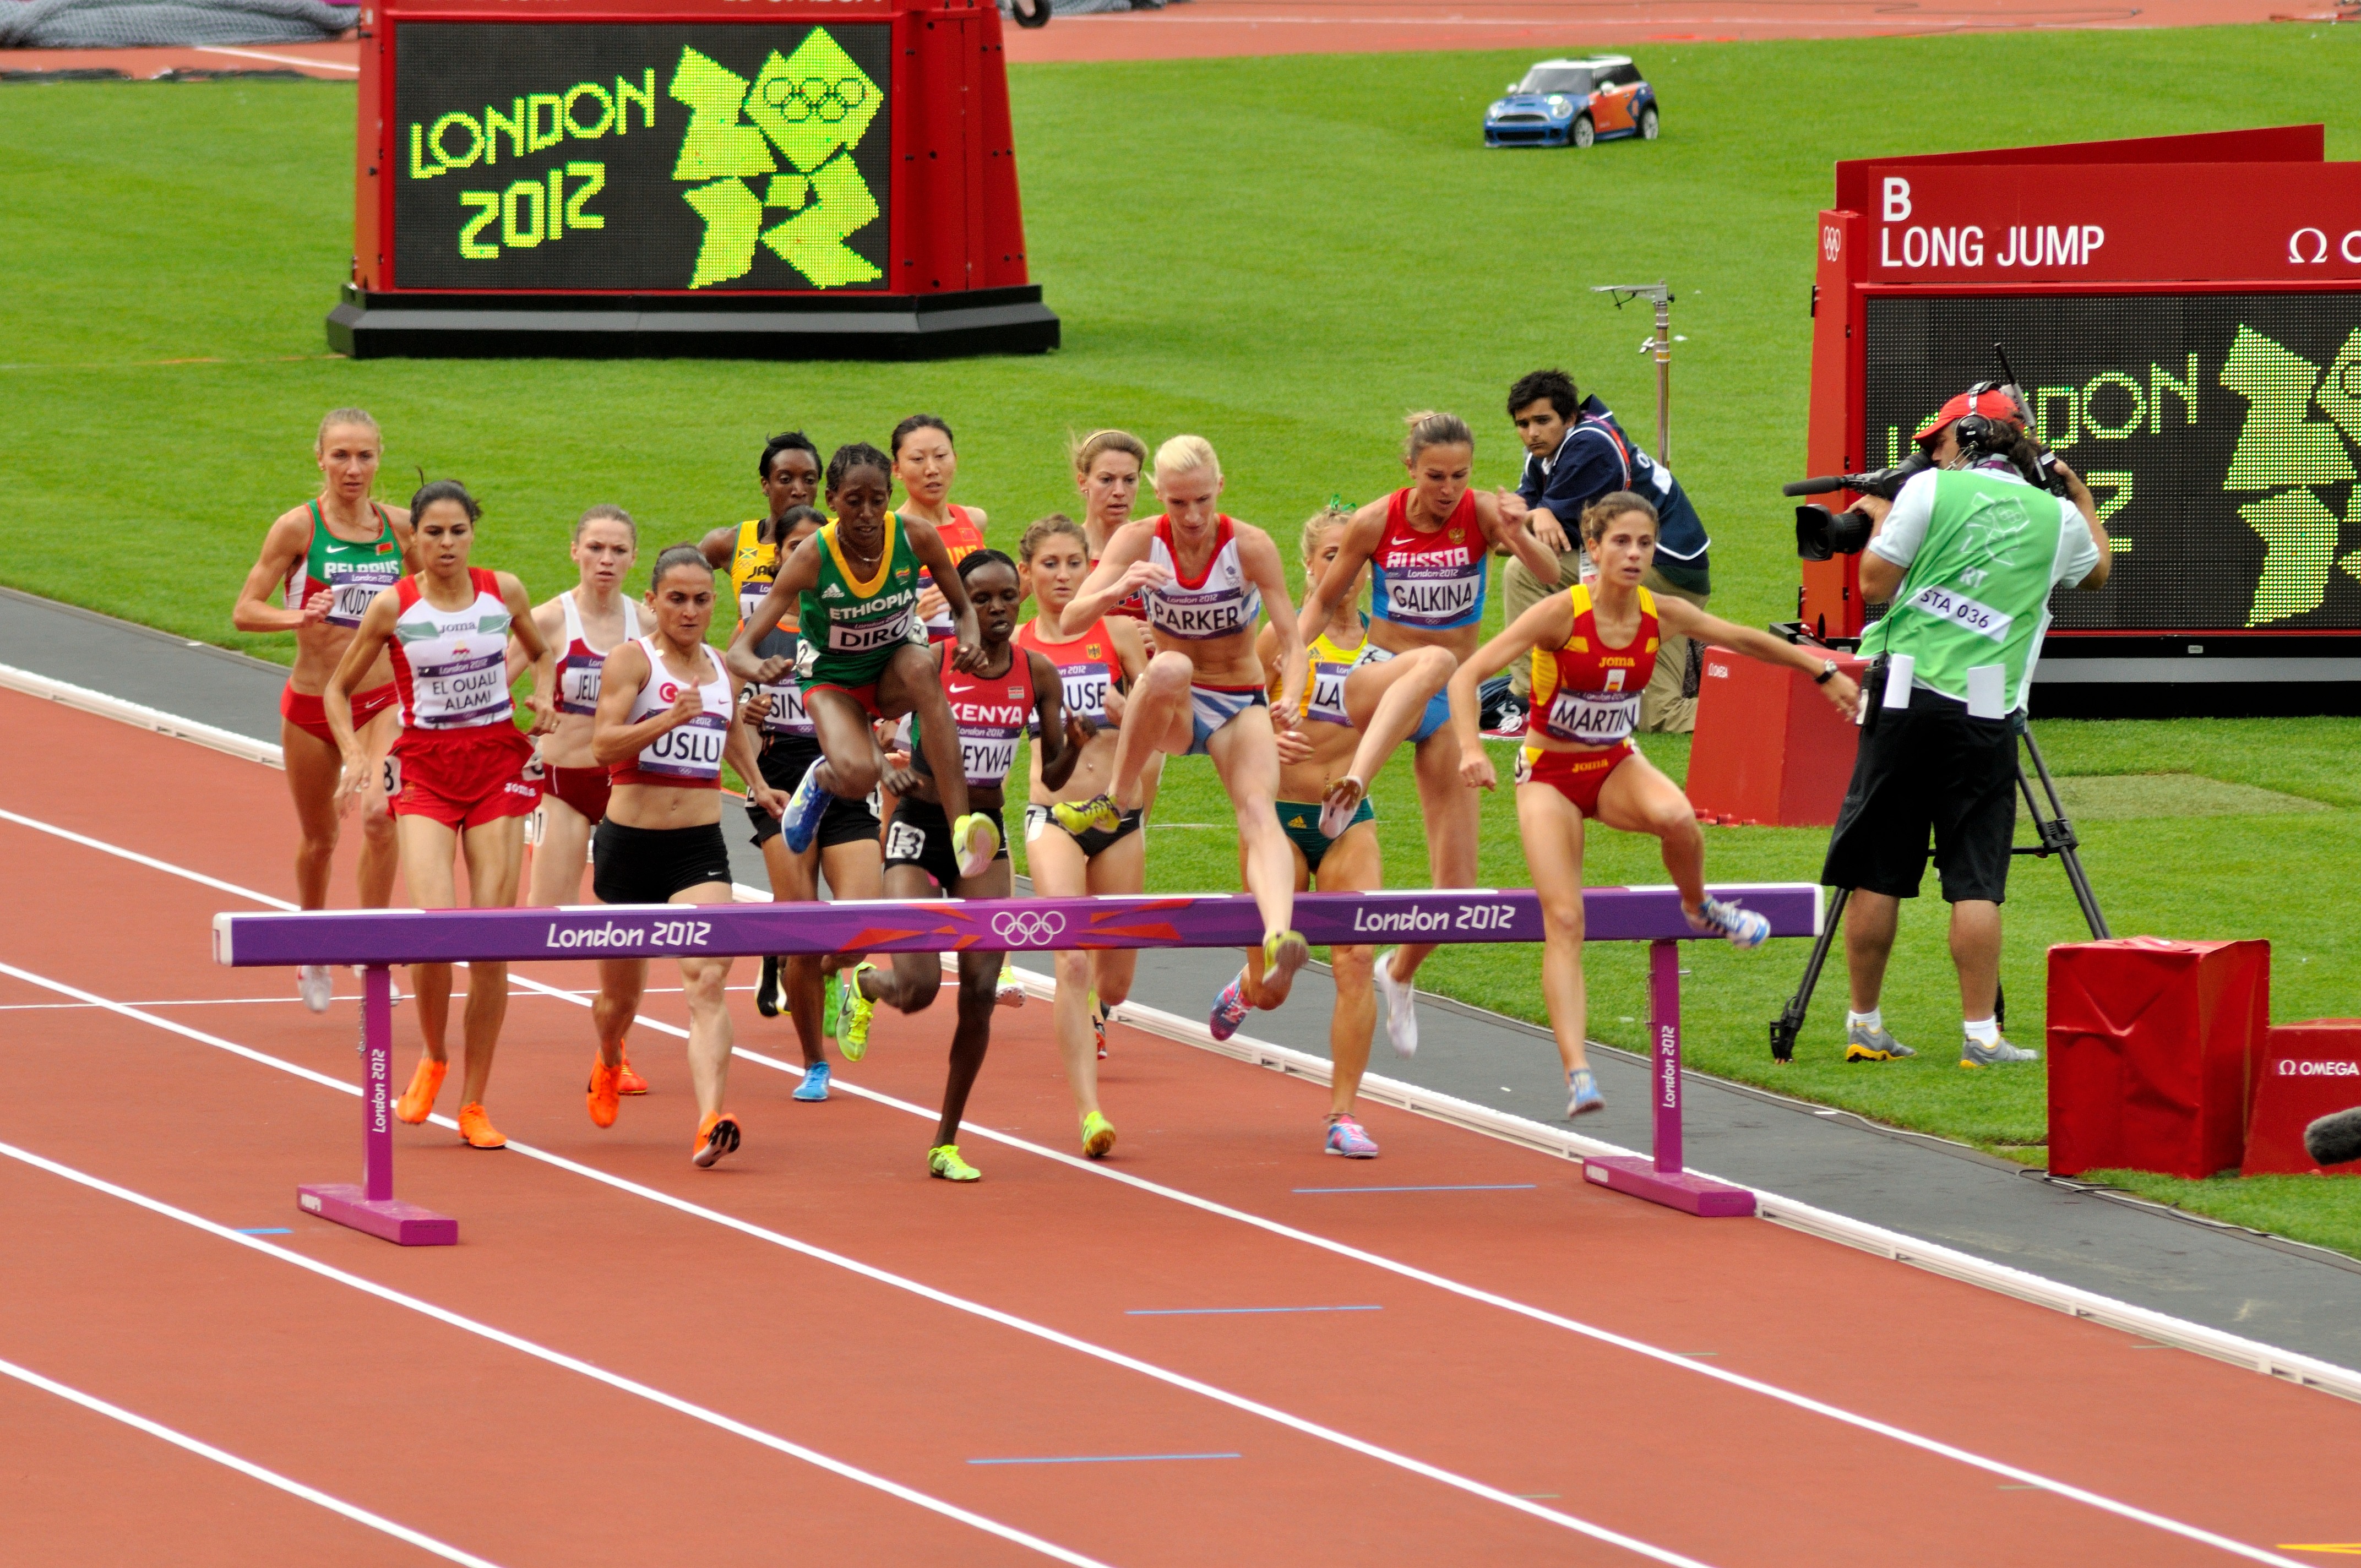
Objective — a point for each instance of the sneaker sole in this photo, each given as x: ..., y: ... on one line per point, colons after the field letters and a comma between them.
x: 1863, y: 1053
x: 720, y: 1142
x: 1100, y: 1145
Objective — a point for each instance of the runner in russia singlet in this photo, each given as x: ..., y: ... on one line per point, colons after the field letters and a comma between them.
x: 1435, y: 581
x: 450, y: 665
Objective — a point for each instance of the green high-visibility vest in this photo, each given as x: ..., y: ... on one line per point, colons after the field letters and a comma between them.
x: 1978, y: 591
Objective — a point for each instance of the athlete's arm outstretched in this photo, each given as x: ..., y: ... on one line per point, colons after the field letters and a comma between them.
x: 1335, y: 585
x: 1547, y: 623
x: 1685, y: 619
x: 369, y: 639
x: 742, y: 751
x: 1514, y: 538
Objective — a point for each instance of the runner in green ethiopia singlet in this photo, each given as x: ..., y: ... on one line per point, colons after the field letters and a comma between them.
x: 851, y: 627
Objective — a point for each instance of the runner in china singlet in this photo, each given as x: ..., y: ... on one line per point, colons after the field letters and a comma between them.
x: 753, y: 565
x: 1223, y: 601
x: 686, y: 756
x: 355, y: 574
x: 1435, y: 581
x: 851, y: 627
x: 1087, y: 667
x: 450, y: 665
x: 579, y: 664
x: 1586, y: 693
x: 991, y: 711
x: 961, y: 538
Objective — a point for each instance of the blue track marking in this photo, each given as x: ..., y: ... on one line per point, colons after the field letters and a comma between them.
x: 1210, y: 1312
x: 264, y: 1230
x: 1482, y: 1187
x: 1105, y: 1459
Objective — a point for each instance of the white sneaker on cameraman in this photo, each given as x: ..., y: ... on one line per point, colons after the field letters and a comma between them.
x: 1974, y: 1053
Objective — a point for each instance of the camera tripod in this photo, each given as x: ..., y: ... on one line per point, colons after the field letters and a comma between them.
x: 2056, y: 837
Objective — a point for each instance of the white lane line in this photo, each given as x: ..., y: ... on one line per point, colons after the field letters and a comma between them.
x: 850, y: 1265
x: 1376, y: 1260
x: 556, y: 1357
x: 277, y: 59
x: 204, y: 1450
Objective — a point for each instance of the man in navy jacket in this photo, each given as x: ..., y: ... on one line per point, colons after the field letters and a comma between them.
x: 1575, y: 454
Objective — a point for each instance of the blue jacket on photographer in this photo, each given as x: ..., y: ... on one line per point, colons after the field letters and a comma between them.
x: 1965, y: 556
x: 1576, y: 453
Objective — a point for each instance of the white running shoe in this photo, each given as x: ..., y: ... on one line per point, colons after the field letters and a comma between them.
x: 1744, y: 927
x: 315, y: 986
x: 1008, y: 991
x: 1973, y: 1053
x: 1401, y: 1013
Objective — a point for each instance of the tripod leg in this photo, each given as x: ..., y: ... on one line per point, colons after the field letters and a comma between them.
x: 1790, y: 1021
x: 2058, y: 834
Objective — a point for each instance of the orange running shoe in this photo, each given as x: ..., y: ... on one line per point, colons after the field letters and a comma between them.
x: 417, y: 1101
x: 629, y: 1082
x: 478, y: 1129
x: 715, y: 1136
x: 606, y: 1083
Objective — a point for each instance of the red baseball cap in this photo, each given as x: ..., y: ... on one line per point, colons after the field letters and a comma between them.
x: 1994, y: 404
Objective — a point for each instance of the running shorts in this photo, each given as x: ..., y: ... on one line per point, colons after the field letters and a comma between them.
x: 1040, y: 819
x: 785, y: 761
x: 648, y: 865
x: 1927, y: 768
x: 309, y: 714
x: 584, y: 789
x: 1211, y: 708
x: 920, y: 835
x: 462, y: 778
x: 1577, y: 775
x: 1300, y: 820
x: 1434, y: 721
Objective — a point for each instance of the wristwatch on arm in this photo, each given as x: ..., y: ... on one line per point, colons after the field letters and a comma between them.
x: 1827, y: 672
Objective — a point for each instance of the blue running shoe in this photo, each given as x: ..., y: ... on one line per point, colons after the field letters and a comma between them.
x: 1347, y: 1138
x: 814, y: 1083
x: 1744, y: 927
x: 805, y: 808
x: 1230, y: 1008
x: 1582, y: 1093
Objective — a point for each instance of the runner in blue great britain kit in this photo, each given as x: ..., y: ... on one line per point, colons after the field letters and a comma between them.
x: 1009, y: 691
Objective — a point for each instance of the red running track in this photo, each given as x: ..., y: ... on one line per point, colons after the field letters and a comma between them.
x: 802, y: 1354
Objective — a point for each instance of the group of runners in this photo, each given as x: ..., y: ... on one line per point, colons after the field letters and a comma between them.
x: 874, y: 695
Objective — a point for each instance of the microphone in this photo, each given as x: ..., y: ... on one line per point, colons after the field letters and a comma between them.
x: 2335, y: 1138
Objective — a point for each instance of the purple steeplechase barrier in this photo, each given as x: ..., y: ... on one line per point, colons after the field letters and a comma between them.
x: 375, y: 938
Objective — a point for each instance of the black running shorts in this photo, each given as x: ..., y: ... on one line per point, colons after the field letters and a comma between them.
x: 1927, y: 770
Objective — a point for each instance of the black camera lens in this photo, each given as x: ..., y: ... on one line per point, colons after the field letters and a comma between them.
x: 1821, y: 533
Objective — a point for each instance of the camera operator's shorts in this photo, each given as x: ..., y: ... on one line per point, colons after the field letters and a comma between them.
x: 1927, y: 768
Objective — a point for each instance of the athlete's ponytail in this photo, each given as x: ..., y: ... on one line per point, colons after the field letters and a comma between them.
x: 1336, y: 514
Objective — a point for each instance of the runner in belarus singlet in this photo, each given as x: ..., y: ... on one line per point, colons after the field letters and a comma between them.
x: 355, y: 574
x: 851, y: 628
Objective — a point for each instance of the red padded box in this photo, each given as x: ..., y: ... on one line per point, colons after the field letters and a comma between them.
x: 2151, y: 1048
x: 1770, y: 752
x: 2304, y: 1071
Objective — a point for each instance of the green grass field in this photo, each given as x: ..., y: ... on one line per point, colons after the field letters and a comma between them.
x: 1285, y: 255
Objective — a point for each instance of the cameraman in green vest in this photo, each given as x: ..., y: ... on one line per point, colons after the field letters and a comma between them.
x: 1965, y: 555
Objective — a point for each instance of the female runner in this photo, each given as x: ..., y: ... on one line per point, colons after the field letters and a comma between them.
x: 459, y: 768
x: 926, y: 464
x: 1009, y: 690
x: 1095, y: 669
x: 1206, y: 579
x: 1108, y: 467
x: 1429, y: 543
x: 328, y: 558
x: 1310, y: 759
x: 861, y: 657
x: 667, y: 714
x: 1592, y: 650
x: 845, y: 845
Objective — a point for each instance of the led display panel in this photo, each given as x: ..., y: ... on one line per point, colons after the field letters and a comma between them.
x: 700, y: 157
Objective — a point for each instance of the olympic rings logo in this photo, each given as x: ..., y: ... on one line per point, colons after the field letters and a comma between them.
x: 815, y: 98
x: 1027, y: 928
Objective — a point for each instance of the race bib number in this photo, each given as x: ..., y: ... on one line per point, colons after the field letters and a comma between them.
x: 689, y: 750
x: 1327, y: 703
x: 1084, y: 691
x: 1949, y: 604
x: 987, y: 758
x: 389, y: 774
x: 352, y: 601
x: 868, y: 636
x: 787, y: 716
x: 1429, y: 599
x: 750, y: 599
x: 1593, y: 718
x: 903, y: 842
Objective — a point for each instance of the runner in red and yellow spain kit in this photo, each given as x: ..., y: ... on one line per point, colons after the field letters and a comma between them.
x: 1592, y: 650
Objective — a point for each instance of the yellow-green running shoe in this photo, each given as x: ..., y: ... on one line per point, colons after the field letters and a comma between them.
x: 1284, y: 952
x: 1098, y: 1135
x: 1080, y: 816
x: 852, y: 1018
x: 944, y: 1160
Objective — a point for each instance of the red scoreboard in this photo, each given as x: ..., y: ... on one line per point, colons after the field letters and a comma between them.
x: 2184, y: 315
x: 789, y: 178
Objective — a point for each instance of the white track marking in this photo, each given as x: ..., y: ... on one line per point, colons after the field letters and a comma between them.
x: 278, y: 58
x: 555, y: 1357
x: 1375, y: 1260
x: 244, y: 1466
x: 820, y: 1254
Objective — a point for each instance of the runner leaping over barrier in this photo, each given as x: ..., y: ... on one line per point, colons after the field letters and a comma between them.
x: 375, y: 938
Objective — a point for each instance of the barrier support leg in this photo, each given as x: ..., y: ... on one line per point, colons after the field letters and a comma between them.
x: 371, y: 1206
x: 1662, y: 1179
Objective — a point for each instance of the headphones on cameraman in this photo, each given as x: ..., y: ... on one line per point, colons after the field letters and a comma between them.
x: 1981, y: 432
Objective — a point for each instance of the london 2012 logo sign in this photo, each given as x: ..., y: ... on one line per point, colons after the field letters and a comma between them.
x: 2285, y: 451
x: 810, y: 109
